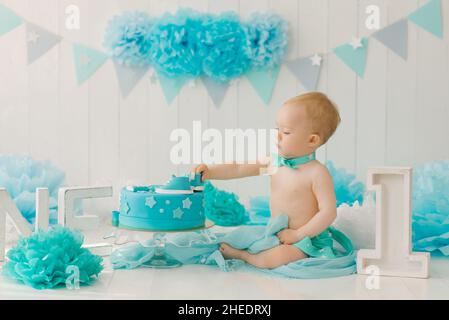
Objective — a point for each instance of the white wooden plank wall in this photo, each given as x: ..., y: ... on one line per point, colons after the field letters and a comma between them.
x: 396, y: 115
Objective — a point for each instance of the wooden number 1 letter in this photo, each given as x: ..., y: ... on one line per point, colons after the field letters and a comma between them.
x: 393, y: 253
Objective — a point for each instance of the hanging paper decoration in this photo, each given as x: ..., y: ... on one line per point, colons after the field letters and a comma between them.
x: 225, y: 42
x: 87, y: 61
x: 178, y: 44
x: 264, y: 82
x: 216, y: 90
x: 128, y: 77
x: 307, y: 71
x: 429, y: 18
x: 39, y: 41
x: 171, y: 86
x: 395, y: 37
x: 8, y: 20
x: 217, y: 48
x: 128, y: 39
x: 354, y: 55
x: 193, y: 44
x: 267, y: 40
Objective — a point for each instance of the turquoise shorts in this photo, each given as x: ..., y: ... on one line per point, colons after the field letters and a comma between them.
x: 320, y: 246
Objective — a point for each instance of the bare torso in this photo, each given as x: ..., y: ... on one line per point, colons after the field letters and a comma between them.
x: 292, y: 194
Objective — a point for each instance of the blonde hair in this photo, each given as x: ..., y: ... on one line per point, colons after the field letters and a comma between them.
x: 321, y: 111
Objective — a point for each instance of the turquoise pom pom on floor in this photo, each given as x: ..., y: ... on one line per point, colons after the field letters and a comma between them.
x: 46, y: 259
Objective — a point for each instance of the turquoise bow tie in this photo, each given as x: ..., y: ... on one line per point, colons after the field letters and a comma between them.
x: 294, y: 162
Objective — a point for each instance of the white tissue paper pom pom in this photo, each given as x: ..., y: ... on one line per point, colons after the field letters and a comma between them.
x: 358, y: 222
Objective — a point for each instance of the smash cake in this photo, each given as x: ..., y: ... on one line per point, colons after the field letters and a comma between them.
x: 177, y: 205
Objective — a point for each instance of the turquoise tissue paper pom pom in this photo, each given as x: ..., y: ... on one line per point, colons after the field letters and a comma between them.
x: 266, y: 40
x: 430, y: 203
x: 128, y: 40
x: 225, y: 40
x: 347, y: 188
x: 21, y: 175
x: 223, y: 208
x: 178, y: 44
x: 42, y: 260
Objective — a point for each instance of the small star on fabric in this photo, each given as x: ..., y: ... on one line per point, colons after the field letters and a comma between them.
x: 356, y: 43
x: 167, y: 201
x: 186, y: 203
x: 150, y: 202
x: 33, y: 37
x: 161, y: 210
x: 316, y: 60
x: 177, y: 213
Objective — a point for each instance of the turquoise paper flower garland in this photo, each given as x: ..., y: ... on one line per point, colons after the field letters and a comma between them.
x: 192, y: 44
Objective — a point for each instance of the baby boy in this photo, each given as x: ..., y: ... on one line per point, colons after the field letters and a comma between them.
x: 301, y: 187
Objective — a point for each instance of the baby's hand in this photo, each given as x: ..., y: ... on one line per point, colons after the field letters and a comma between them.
x: 288, y: 236
x: 204, y: 170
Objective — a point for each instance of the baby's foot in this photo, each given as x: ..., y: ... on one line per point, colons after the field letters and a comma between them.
x: 231, y: 253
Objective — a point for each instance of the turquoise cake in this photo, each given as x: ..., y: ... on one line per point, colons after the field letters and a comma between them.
x: 143, y: 208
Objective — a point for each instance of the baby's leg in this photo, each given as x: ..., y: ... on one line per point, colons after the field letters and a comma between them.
x: 268, y: 259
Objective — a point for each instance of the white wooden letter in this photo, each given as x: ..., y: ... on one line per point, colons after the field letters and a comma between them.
x: 393, y: 252
x: 66, y: 200
x: 42, y: 209
x: 8, y: 208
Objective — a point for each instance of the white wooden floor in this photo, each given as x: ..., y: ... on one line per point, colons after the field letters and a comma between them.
x: 208, y: 282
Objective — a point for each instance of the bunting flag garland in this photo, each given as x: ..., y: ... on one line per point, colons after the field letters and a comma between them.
x: 263, y: 82
x: 171, y: 86
x: 8, y: 20
x: 429, y: 18
x: 128, y: 77
x: 87, y: 61
x: 395, y: 37
x: 354, y: 55
x: 307, y: 70
x: 39, y: 41
x: 216, y: 90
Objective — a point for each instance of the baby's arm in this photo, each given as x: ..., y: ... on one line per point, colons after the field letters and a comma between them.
x: 232, y: 170
x: 323, y: 189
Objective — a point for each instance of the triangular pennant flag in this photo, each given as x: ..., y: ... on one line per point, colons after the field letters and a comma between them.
x: 306, y: 71
x: 429, y: 18
x: 354, y: 57
x: 263, y: 82
x: 395, y: 37
x: 128, y: 77
x: 39, y: 41
x: 87, y: 61
x: 8, y: 20
x: 171, y: 86
x: 216, y: 90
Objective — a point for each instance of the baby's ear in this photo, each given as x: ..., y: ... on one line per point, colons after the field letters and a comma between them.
x: 314, y: 140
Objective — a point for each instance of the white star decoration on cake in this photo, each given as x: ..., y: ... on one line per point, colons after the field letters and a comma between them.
x: 150, y: 202
x: 167, y: 201
x: 316, y: 59
x: 356, y: 43
x: 186, y: 203
x: 161, y: 210
x: 177, y: 213
x: 33, y: 37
